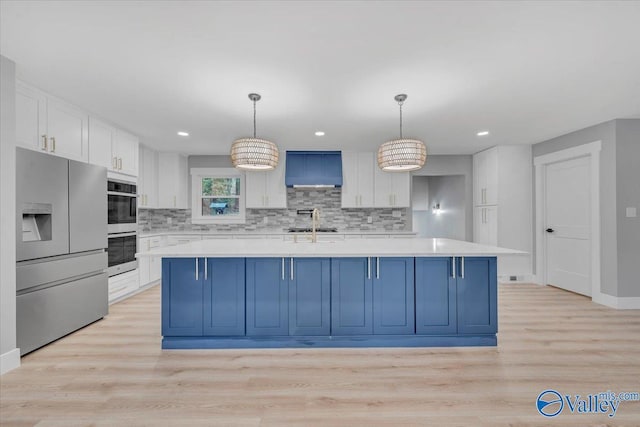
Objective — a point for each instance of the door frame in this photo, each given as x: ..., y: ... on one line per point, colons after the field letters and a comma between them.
x: 591, y: 150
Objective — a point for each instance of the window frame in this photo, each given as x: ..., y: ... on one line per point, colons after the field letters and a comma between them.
x: 197, y: 174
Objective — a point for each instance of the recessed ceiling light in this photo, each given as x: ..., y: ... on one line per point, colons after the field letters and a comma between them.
x: 319, y: 133
x: 483, y: 133
x: 182, y: 133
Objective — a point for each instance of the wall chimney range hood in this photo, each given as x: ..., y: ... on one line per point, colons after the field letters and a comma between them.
x: 314, y: 169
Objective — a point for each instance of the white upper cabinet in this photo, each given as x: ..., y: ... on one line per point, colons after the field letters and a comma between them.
x: 125, y: 152
x: 101, y: 136
x: 112, y: 148
x: 148, y: 178
x: 172, y: 181
x: 485, y: 177
x: 267, y: 190
x: 392, y: 189
x: 357, y: 179
x: 48, y: 124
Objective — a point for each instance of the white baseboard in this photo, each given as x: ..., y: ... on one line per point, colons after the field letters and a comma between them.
x: 621, y: 303
x: 9, y: 361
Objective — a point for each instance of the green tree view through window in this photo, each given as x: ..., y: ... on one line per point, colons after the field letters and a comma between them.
x: 220, y: 196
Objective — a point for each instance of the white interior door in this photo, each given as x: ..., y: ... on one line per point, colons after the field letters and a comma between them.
x: 567, y: 224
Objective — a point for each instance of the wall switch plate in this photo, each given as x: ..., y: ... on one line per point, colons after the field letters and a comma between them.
x: 369, y: 220
x: 169, y: 220
x: 396, y: 214
x: 632, y: 212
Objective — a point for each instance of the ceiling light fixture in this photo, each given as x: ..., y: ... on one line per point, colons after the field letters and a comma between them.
x: 402, y: 155
x: 483, y: 133
x: 319, y: 133
x: 253, y: 154
x: 183, y: 133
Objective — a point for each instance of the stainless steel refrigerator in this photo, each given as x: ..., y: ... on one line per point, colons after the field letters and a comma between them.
x: 61, y: 278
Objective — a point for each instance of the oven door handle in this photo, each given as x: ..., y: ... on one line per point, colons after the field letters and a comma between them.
x: 117, y: 193
x: 116, y: 235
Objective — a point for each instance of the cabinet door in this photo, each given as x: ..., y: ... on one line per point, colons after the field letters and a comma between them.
x: 435, y: 296
x: 383, y: 193
x: 351, y: 296
x: 350, y: 192
x: 155, y: 269
x: 478, y: 178
x: 182, y: 293
x: 147, y: 178
x: 144, y: 270
x: 491, y: 176
x: 224, y: 297
x: 275, y: 187
x: 126, y: 152
x: 31, y: 118
x: 67, y: 129
x: 255, y: 189
x: 267, y: 296
x: 491, y: 224
x: 172, y: 181
x: 366, y: 165
x: 401, y: 186
x: 309, y: 301
x: 477, y: 301
x: 101, y: 138
x: 393, y: 296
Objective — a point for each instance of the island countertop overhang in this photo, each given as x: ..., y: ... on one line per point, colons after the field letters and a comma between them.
x: 257, y: 248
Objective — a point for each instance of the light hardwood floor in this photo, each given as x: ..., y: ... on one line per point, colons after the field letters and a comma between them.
x: 113, y: 373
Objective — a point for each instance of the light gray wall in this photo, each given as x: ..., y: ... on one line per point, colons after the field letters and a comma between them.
x: 439, y: 165
x: 628, y: 195
x: 448, y: 191
x: 7, y: 206
x: 616, y: 181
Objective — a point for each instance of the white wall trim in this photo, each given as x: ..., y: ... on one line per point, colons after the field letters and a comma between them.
x: 621, y: 303
x: 9, y: 361
x: 592, y: 150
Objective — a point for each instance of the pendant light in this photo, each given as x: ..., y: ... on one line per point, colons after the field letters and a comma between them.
x: 402, y: 155
x: 254, y: 154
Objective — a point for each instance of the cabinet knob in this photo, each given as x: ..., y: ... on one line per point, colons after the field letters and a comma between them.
x: 549, y: 230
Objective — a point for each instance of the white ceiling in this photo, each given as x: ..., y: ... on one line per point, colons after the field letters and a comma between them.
x: 526, y: 71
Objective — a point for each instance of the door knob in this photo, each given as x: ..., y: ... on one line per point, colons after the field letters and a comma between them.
x: 550, y: 230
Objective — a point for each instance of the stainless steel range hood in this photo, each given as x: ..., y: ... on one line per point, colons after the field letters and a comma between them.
x: 314, y: 169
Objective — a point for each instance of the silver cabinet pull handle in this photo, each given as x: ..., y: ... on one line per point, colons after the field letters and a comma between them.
x: 291, y: 266
x: 197, y: 268
x: 120, y: 163
x: 453, y: 261
x: 377, y: 267
x: 206, y: 263
x: 114, y: 163
x: 53, y: 144
x: 44, y: 143
x: 462, y: 267
x: 368, y: 267
x: 282, y: 268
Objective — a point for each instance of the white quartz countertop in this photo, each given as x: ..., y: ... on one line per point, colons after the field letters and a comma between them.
x: 268, y: 232
x: 253, y: 248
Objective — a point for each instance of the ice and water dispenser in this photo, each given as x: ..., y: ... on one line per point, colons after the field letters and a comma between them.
x: 36, y: 222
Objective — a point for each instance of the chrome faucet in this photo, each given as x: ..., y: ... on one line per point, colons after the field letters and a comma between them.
x: 315, y: 220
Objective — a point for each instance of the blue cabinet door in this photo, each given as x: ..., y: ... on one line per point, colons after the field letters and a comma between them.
x: 182, y: 280
x: 393, y: 296
x: 223, y: 308
x: 351, y: 296
x: 477, y: 295
x: 435, y: 296
x: 267, y: 296
x: 309, y: 301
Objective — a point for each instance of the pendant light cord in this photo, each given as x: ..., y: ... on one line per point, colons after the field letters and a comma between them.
x: 400, y: 104
x: 254, y: 118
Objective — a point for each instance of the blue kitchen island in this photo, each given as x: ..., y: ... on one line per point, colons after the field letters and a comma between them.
x: 352, y: 293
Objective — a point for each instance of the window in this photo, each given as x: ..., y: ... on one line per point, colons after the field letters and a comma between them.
x: 217, y: 196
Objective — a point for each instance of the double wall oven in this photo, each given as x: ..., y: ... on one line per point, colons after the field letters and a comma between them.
x: 122, y: 226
